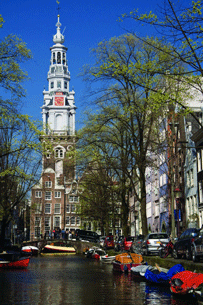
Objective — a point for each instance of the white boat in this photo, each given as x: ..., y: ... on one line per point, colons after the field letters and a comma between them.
x: 108, y: 259
x: 51, y: 249
x: 30, y: 250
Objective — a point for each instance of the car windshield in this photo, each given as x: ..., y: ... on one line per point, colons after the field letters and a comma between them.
x: 158, y: 236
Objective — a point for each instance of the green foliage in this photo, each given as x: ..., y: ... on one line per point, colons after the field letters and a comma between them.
x: 13, y: 51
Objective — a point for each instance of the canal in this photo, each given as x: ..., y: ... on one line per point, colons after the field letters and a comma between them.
x: 77, y: 280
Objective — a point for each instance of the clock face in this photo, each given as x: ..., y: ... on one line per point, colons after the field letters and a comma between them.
x: 59, y: 101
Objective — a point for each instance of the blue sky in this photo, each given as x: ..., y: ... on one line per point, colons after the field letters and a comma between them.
x: 85, y: 23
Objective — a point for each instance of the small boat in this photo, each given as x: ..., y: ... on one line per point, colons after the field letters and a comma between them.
x: 19, y: 264
x: 140, y: 270
x: 52, y: 249
x: 162, y: 276
x: 13, y: 260
x: 186, y: 282
x: 30, y: 250
x: 125, y: 261
x: 96, y: 253
x: 108, y: 259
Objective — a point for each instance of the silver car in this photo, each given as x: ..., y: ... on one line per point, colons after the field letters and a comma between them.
x: 152, y: 241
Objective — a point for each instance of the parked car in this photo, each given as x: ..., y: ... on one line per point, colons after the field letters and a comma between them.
x: 183, y: 246
x: 151, y: 243
x: 127, y: 242
x: 109, y: 242
x: 86, y: 235
x: 101, y: 241
x: 137, y: 244
x: 197, y: 247
x: 118, y: 243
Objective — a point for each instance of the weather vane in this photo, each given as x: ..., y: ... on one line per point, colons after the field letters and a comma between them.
x: 58, y: 9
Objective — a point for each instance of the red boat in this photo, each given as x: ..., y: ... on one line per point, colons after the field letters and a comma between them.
x: 125, y: 261
x: 186, y: 282
x: 19, y: 264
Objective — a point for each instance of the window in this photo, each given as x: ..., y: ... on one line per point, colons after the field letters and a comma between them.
x: 191, y: 177
x: 58, y: 58
x: 57, y: 208
x: 68, y: 208
x: 71, y: 198
x: 78, y: 220
x: 47, y: 195
x: 58, y: 84
x: 65, y: 85
x: 47, y: 208
x: 73, y: 208
x: 67, y: 220
x: 38, y: 194
x: 57, y: 221
x: 37, y: 226
x: 162, y: 180
x: 57, y: 194
x: 54, y: 58
x: 59, y: 153
x: 38, y: 208
x: 47, y: 224
x: 149, y: 209
x: 72, y: 220
x: 48, y: 184
x: 76, y: 199
x: 52, y: 85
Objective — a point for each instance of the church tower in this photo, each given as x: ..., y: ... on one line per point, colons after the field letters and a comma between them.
x: 54, y: 200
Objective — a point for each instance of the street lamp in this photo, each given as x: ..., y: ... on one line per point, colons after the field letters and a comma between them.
x: 178, y: 196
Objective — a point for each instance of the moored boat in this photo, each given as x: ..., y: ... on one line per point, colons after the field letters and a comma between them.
x: 13, y: 260
x: 30, y: 250
x: 52, y: 249
x: 18, y: 264
x: 186, y: 282
x: 162, y: 276
x: 125, y: 261
x: 96, y: 253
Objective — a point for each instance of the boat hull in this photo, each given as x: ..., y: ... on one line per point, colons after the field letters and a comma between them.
x: 117, y: 266
x: 49, y: 249
x: 19, y: 264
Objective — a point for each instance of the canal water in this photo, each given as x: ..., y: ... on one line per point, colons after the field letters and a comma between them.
x: 78, y: 280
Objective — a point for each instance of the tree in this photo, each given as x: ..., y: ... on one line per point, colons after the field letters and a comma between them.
x: 181, y: 25
x: 20, y: 149
x: 129, y: 105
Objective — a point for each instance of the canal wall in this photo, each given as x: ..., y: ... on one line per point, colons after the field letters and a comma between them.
x: 170, y: 262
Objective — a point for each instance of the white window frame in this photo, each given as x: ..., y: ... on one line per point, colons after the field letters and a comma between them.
x: 73, y: 208
x: 59, y: 153
x: 71, y: 198
x: 57, y: 194
x: 57, y: 208
x: 68, y: 208
x: 72, y: 220
x: 48, y: 195
x: 46, y: 208
x: 38, y: 194
x: 57, y: 221
x: 48, y: 184
x: 67, y: 220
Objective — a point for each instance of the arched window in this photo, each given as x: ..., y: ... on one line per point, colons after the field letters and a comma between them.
x: 59, y: 152
x: 58, y: 58
x: 54, y: 59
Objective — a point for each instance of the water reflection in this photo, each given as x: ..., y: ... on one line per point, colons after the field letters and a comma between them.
x: 77, y: 280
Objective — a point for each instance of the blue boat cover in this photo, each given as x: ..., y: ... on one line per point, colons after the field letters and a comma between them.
x: 163, y: 277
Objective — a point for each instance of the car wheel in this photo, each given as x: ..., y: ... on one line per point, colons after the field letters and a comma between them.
x: 195, y: 258
x: 188, y: 254
x: 175, y: 254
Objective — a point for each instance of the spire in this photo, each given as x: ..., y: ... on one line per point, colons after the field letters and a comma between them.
x: 58, y: 37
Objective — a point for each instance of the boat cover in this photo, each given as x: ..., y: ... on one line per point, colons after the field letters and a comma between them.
x: 162, y: 277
